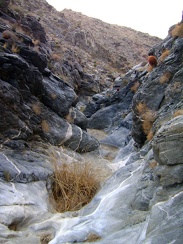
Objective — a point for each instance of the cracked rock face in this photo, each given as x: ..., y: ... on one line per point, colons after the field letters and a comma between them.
x: 35, y: 102
x: 168, y: 152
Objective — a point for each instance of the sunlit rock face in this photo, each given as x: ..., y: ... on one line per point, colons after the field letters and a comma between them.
x: 139, y: 131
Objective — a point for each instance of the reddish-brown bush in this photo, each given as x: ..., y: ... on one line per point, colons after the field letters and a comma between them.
x: 152, y: 61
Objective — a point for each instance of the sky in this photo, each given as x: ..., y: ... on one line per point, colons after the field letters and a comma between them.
x: 152, y: 17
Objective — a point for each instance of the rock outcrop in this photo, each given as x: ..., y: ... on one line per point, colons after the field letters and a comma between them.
x: 33, y: 100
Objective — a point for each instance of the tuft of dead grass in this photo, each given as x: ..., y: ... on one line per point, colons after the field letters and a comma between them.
x: 150, y: 68
x: 150, y: 135
x: 7, y: 34
x: 74, y: 186
x: 92, y: 237
x: 178, y: 112
x: 135, y: 87
x: 56, y: 57
x: 36, y: 108
x: 165, y: 77
x: 177, y: 30
x: 147, y: 117
x: 15, y: 48
x: 53, y: 96
x: 164, y: 54
x: 176, y: 87
x: 45, y: 238
x: 153, y: 164
x: 45, y: 126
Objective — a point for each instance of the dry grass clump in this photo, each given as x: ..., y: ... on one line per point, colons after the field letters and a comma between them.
x: 147, y: 117
x: 45, y: 126
x: 150, y: 68
x: 176, y: 87
x: 92, y: 237
x: 177, y: 30
x: 36, y: 42
x: 152, y: 60
x: 7, y: 34
x: 18, y: 9
x: 45, y: 238
x: 135, y: 87
x: 15, y: 48
x: 53, y: 96
x: 36, y: 109
x: 153, y: 164
x: 178, y: 112
x: 150, y: 135
x: 165, y: 77
x: 164, y: 54
x: 55, y: 57
x: 74, y: 185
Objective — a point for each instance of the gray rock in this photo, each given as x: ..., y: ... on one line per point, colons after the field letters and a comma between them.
x: 166, y: 222
x: 118, y: 138
x: 170, y: 175
x: 76, y: 117
x: 168, y: 143
x: 24, y: 166
x: 17, y: 61
x: 57, y: 95
x: 4, y: 5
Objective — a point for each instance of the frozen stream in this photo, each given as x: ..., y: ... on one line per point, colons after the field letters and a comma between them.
x: 130, y: 207
x: 109, y: 216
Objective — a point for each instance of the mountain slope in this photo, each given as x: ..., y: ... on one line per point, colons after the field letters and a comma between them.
x: 120, y: 47
x: 101, y: 50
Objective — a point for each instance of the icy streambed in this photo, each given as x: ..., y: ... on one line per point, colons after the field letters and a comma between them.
x: 26, y: 214
x: 115, y: 215
x: 109, y: 216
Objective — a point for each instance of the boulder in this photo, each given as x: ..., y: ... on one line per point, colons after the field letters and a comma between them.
x: 165, y: 221
x: 76, y: 117
x: 168, y: 142
x: 4, y: 5
x: 36, y: 28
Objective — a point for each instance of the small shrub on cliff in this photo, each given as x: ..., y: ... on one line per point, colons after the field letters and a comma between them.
x: 74, y: 186
x: 36, y: 42
x: 36, y: 108
x: 147, y: 117
x: 45, y: 126
x: 55, y: 57
x: 45, y: 238
x: 92, y: 237
x: 164, y: 54
x: 10, y: 38
x: 135, y: 87
x: 150, y: 135
x: 17, y: 8
x: 7, y: 34
x: 178, y: 112
x: 177, y: 30
x: 176, y: 87
x: 153, y: 164
x: 165, y: 77
x: 15, y: 48
x: 152, y: 61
